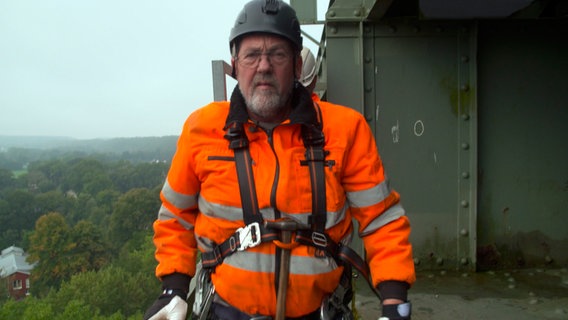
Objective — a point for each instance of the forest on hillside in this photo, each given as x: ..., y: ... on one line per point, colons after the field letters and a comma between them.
x: 17, y: 152
x: 85, y: 219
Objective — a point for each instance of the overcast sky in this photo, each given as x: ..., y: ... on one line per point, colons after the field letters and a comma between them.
x: 111, y: 68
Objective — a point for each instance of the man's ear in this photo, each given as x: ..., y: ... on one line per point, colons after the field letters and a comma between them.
x: 233, y: 68
x: 298, y: 67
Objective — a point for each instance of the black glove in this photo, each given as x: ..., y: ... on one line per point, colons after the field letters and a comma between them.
x: 171, y: 303
x: 400, y: 311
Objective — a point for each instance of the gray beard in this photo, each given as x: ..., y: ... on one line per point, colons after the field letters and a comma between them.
x: 267, y: 106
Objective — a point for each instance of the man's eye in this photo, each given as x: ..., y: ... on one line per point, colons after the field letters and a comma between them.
x: 252, y: 56
x: 279, y: 55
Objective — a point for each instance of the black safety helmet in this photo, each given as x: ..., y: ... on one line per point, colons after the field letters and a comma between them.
x: 267, y: 16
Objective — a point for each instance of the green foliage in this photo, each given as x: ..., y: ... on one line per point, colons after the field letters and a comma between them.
x: 14, y: 309
x: 134, y: 213
x: 60, y: 251
x: 6, y: 179
x: 108, y: 291
x: 18, y: 213
x: 49, y: 248
x: 36, y: 309
x: 3, y: 290
x: 65, y: 212
x: 19, y: 151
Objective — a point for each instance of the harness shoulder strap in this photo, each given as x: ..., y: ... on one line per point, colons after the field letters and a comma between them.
x: 239, y: 143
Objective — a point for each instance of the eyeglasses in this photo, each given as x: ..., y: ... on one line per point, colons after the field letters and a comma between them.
x: 252, y: 59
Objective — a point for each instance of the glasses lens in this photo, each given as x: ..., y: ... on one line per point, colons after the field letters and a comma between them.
x: 252, y: 59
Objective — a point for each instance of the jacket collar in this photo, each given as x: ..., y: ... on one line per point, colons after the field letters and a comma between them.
x: 303, y: 111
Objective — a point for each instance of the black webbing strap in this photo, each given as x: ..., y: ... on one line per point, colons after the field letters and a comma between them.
x: 314, y: 142
x: 239, y: 143
x: 315, y: 160
x: 254, y: 223
x: 339, y: 252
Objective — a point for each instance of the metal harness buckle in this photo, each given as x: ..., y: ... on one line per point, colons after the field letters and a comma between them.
x: 249, y: 236
x: 319, y: 239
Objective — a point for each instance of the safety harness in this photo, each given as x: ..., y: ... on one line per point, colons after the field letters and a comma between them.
x: 254, y: 232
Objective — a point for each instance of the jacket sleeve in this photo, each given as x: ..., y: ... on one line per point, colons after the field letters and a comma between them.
x: 176, y: 248
x: 383, y: 225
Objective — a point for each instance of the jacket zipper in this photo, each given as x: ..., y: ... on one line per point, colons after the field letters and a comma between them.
x: 269, y: 133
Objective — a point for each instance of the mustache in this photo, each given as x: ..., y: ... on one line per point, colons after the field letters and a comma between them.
x: 264, y: 79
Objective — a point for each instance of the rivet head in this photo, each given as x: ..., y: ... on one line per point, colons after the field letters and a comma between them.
x: 464, y: 261
x: 465, y: 87
x: 464, y: 203
x: 465, y: 58
x: 392, y: 29
x: 440, y: 261
x: 465, y: 175
x: 333, y: 30
x: 331, y: 13
x: 357, y: 13
x: 465, y: 146
x: 416, y: 261
x: 464, y: 232
x: 465, y: 117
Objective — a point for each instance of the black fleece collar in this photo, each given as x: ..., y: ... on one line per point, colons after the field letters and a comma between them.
x: 303, y: 111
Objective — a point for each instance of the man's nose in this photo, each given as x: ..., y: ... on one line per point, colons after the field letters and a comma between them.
x: 264, y: 63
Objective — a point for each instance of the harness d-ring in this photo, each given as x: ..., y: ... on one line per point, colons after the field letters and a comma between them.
x: 288, y: 246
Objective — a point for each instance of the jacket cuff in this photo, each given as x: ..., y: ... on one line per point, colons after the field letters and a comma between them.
x: 393, y: 289
x: 176, y: 281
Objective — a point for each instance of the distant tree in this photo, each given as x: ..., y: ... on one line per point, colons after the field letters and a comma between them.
x: 49, y: 249
x: 38, y: 310
x: 47, y: 173
x: 126, y: 175
x: 85, y: 203
x: 77, y: 310
x: 138, y: 256
x: 37, y: 182
x: 54, y: 201
x: 4, y: 294
x: 21, y: 211
x: 109, y: 290
x: 89, y: 250
x: 12, y: 309
x: 134, y: 212
x: 87, y: 175
x: 106, y: 201
x: 61, y: 251
x: 6, y: 179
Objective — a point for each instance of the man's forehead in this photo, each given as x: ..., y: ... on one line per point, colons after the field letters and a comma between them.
x: 260, y: 41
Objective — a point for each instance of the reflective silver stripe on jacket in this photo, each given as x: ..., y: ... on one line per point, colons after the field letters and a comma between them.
x: 165, y: 214
x: 215, y: 210
x: 178, y: 200
x: 260, y: 262
x: 369, y: 197
x: 390, y: 215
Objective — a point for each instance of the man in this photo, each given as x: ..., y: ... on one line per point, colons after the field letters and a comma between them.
x: 309, y: 76
x: 270, y: 163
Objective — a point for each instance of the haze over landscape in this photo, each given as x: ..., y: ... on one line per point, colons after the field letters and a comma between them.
x: 103, y: 69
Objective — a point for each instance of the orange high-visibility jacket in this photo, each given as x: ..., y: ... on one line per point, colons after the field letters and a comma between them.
x: 201, y: 207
